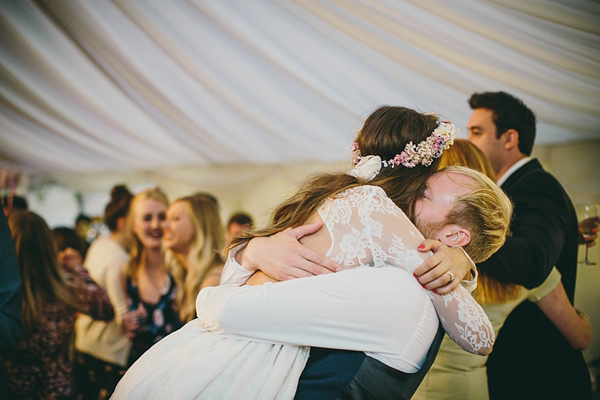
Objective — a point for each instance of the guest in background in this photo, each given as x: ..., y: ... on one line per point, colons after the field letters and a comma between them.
x: 10, y: 296
x: 53, y: 292
x: 66, y: 237
x: 82, y: 226
x: 193, y: 241
x: 150, y: 289
x: 456, y: 374
x: 12, y: 203
x: 102, y: 346
x: 238, y: 222
x: 531, y: 357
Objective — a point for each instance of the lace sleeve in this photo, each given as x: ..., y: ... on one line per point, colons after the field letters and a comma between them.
x: 368, y: 229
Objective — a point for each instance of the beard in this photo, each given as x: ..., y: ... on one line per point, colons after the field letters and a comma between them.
x: 429, y: 229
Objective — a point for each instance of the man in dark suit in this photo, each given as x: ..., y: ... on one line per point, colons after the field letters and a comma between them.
x: 531, y: 359
x: 10, y: 296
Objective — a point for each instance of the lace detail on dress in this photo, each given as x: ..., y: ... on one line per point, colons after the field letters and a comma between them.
x: 368, y: 229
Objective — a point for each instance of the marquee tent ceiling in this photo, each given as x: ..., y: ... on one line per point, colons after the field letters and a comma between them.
x: 110, y: 87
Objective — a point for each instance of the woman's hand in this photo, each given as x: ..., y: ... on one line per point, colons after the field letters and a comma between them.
x: 132, y: 321
x: 445, y: 269
x: 283, y: 257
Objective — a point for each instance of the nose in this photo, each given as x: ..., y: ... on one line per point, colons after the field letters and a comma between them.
x: 156, y: 223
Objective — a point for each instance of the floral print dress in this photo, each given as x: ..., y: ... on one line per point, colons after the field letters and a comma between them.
x: 40, y: 367
x: 161, y: 318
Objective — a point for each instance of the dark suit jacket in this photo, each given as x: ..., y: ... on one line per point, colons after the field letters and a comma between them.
x: 10, y: 295
x: 531, y: 357
x: 10, y: 290
x: 351, y: 375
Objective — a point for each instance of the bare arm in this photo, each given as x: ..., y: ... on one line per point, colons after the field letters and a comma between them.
x: 576, y: 329
x: 283, y: 257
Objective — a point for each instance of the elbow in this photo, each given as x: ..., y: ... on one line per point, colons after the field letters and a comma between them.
x: 582, y: 342
x: 484, y: 351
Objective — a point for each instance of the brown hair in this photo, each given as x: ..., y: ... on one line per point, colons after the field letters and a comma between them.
x: 120, y: 199
x: 42, y: 279
x: 385, y: 133
x: 465, y: 153
x: 136, y: 251
x: 204, y: 253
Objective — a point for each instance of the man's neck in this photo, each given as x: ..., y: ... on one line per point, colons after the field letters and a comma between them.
x: 514, y: 167
x: 510, y: 161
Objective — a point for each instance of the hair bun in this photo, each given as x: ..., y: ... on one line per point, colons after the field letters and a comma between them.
x: 120, y: 192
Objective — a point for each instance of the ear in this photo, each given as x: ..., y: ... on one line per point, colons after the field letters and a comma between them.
x: 511, y: 139
x: 121, y: 221
x: 454, y: 235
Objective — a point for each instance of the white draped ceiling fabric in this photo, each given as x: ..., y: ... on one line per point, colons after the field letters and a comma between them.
x: 216, y: 93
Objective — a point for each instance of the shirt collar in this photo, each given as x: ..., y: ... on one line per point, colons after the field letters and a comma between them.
x: 512, y: 169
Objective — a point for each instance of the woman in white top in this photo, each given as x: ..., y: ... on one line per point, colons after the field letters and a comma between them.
x: 102, y: 346
x: 366, y: 225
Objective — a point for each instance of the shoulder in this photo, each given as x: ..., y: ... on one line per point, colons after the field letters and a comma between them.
x: 103, y: 253
x: 531, y: 177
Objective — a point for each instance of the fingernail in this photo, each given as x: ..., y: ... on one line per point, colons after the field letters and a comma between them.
x: 421, y: 246
x: 415, y: 275
x: 435, y: 291
x: 424, y: 286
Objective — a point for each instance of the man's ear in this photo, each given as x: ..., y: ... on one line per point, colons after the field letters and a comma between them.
x: 454, y: 235
x: 511, y: 139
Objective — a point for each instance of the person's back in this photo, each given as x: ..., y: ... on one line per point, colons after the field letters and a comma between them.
x: 529, y: 346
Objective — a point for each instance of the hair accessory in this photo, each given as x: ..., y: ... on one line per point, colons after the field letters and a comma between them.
x: 423, y: 153
x: 367, y: 168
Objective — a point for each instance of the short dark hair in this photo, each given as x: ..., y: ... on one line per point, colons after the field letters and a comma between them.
x: 67, y: 237
x: 509, y: 113
x: 17, y: 202
x: 82, y: 217
x: 240, y: 218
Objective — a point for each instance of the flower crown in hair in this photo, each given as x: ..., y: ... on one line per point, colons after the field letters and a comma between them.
x: 423, y: 153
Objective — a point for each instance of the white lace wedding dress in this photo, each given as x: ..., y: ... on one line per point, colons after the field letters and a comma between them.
x: 367, y: 230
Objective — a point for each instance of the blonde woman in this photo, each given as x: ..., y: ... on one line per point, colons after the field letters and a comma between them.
x: 150, y: 289
x: 193, y: 241
x: 53, y: 293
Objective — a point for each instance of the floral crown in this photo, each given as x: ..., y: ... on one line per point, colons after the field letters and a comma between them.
x: 423, y: 153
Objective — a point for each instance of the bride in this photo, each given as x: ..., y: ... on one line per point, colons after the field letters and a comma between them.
x: 228, y: 353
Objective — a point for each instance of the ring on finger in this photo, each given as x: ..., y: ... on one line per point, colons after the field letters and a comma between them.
x: 451, y: 276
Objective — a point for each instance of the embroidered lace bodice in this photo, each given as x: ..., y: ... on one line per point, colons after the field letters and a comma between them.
x: 368, y: 229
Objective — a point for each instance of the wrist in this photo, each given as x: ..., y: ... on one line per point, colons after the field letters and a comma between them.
x: 244, y: 256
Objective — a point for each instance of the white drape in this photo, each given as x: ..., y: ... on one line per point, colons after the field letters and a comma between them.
x: 140, y: 85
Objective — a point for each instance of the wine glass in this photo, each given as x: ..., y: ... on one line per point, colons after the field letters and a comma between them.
x: 588, y: 211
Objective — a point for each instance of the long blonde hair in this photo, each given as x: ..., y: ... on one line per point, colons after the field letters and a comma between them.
x: 136, y: 251
x: 385, y: 133
x: 466, y: 154
x: 42, y: 279
x: 204, y: 253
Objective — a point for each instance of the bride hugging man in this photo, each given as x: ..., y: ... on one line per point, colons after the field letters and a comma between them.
x: 370, y: 330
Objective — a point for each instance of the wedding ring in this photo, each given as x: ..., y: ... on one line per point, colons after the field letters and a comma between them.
x: 451, y: 276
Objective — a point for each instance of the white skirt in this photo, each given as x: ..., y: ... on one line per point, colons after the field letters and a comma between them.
x: 193, y: 363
